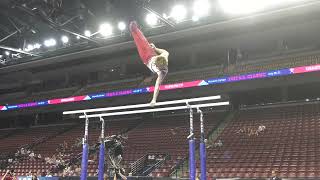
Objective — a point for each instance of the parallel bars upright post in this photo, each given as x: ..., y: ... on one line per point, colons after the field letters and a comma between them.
x: 101, y: 152
x: 84, y: 162
x: 192, y: 159
x: 203, y: 157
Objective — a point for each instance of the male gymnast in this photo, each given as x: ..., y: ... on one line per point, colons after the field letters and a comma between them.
x: 154, y: 58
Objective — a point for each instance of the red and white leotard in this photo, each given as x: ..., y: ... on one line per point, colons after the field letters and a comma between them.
x: 146, y: 52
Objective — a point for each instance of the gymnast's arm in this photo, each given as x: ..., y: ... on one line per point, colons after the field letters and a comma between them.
x: 5, y: 175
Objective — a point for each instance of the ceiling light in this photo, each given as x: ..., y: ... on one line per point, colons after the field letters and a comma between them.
x: 178, y: 12
x: 164, y: 15
x: 195, y: 18
x: 7, y: 53
x: 87, y: 33
x: 64, y: 39
x: 122, y: 26
x: 37, y: 46
x: 201, y: 8
x: 152, y: 19
x: 50, y: 42
x: 105, y: 29
x: 30, y: 47
x: 250, y: 6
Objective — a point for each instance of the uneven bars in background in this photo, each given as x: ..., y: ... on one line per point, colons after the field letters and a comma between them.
x: 156, y: 110
x: 208, y: 98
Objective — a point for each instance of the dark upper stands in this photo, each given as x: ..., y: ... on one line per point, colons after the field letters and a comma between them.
x: 277, y: 62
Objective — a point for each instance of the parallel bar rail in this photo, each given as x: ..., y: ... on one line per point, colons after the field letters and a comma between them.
x: 155, y: 110
x: 143, y: 105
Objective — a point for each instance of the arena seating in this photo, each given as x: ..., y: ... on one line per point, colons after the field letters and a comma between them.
x: 244, y: 68
x: 162, y: 135
x: 274, y: 63
x: 12, y: 97
x: 109, y: 86
x: 166, y: 135
x: 38, y: 96
x: 289, y: 145
x: 258, y: 65
x: 48, y: 148
x: 26, y: 137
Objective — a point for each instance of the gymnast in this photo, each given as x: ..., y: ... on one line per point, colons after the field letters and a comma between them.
x: 154, y: 58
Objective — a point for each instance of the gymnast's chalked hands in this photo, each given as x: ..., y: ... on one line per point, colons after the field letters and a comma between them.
x: 152, y: 103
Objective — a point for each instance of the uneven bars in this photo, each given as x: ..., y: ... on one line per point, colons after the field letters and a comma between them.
x: 143, y: 105
x: 155, y: 110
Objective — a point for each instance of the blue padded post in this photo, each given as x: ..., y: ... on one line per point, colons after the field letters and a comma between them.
x: 192, y: 160
x: 84, y: 162
x: 101, y: 152
x: 192, y: 147
x: 101, y: 162
x: 203, y: 161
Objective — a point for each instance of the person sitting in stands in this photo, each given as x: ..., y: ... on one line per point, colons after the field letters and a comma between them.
x: 34, y: 177
x: 274, y: 176
x: 9, y: 175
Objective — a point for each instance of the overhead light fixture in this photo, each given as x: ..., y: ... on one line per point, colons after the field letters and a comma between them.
x: 30, y: 47
x: 7, y: 53
x: 50, y: 42
x: 64, y: 39
x: 87, y: 33
x: 37, y: 46
x: 122, y: 26
x: 78, y: 37
x: 241, y: 7
x: 195, y: 18
x: 152, y: 19
x: 250, y: 6
x: 178, y: 13
x: 164, y: 15
x: 201, y: 8
x: 105, y: 29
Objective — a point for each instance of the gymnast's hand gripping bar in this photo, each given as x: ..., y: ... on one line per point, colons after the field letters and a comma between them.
x: 136, y: 106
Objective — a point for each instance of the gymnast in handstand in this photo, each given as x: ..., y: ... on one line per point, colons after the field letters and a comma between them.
x: 154, y: 58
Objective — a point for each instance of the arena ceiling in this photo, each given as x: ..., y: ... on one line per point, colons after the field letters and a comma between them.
x: 27, y: 25
x: 30, y: 22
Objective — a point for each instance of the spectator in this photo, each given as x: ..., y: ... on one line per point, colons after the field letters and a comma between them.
x: 274, y: 176
x: 48, y: 174
x: 9, y: 175
x: 218, y: 144
x: 34, y: 177
x: 261, y: 128
x: 22, y: 151
x: 251, y: 131
x: 31, y: 155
